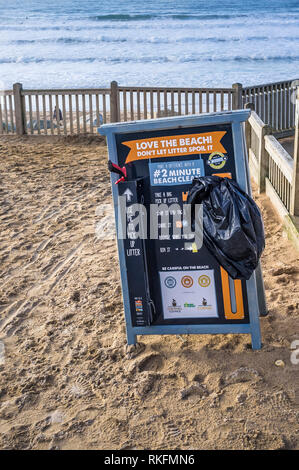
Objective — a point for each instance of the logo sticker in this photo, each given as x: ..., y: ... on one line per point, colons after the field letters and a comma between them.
x: 170, y: 282
x: 204, y: 280
x: 174, y: 307
x: 138, y: 307
x: 204, y: 305
x: 217, y: 160
x: 187, y: 281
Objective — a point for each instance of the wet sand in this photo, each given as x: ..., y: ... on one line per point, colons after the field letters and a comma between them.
x: 67, y: 379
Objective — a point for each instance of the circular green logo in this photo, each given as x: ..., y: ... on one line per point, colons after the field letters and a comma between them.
x: 217, y: 160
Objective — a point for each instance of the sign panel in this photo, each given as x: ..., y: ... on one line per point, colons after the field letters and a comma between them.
x: 169, y: 283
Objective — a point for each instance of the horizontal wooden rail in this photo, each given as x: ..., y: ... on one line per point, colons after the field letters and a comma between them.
x: 170, y: 89
x: 280, y: 156
x: 63, y: 91
x: 264, y: 85
x: 256, y: 123
x: 274, y: 170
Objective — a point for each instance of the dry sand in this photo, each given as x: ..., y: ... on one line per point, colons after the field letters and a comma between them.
x: 67, y: 380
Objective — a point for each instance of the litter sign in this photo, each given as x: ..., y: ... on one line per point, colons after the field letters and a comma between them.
x: 171, y: 282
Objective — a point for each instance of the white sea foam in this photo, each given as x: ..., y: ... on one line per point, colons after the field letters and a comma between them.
x: 196, y: 43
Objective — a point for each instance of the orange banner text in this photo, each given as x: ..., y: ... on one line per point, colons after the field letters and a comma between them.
x: 175, y: 145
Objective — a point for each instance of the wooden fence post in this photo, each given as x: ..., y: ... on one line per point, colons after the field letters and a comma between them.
x: 263, y: 160
x: 19, y: 109
x: 248, y: 127
x: 294, y: 207
x: 237, y: 96
x: 114, y: 102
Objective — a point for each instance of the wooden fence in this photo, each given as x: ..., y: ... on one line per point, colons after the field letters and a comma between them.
x: 76, y: 111
x: 7, y: 112
x: 274, y: 103
x: 142, y: 103
x: 275, y: 171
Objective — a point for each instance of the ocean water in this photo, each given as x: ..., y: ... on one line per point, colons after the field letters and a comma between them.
x: 195, y: 43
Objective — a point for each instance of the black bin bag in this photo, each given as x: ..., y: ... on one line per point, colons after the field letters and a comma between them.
x: 233, y: 229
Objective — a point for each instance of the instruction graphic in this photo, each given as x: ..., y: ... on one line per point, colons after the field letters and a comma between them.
x: 175, y: 173
x: 192, y: 299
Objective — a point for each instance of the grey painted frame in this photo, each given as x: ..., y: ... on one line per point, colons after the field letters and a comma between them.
x: 256, y: 301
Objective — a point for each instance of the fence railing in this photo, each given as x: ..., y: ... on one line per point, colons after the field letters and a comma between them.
x: 273, y: 102
x: 274, y: 170
x: 280, y: 170
x: 76, y: 111
x: 143, y: 103
x: 60, y: 111
x: 7, y: 112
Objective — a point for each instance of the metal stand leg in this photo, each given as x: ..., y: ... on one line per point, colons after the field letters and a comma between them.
x: 256, y: 338
x: 131, y: 337
x: 254, y: 310
x: 261, y: 291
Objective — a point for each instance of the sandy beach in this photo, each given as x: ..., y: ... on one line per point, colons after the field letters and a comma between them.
x: 67, y: 378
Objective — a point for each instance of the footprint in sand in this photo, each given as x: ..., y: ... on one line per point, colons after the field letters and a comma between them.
x: 285, y: 270
x: 171, y: 431
x: 152, y: 362
x: 256, y: 440
x: 280, y: 400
